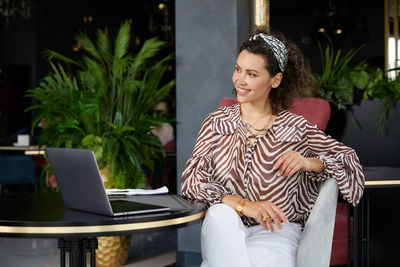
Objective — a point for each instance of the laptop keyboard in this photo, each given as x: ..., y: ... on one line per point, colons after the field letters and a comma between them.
x: 122, y: 206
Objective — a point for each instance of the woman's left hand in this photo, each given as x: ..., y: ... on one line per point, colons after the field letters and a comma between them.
x: 291, y: 162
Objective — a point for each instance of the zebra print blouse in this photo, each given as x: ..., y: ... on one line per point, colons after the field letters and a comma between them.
x: 222, y: 163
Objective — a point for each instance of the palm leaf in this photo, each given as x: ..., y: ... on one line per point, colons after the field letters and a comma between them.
x: 149, y: 49
x: 104, y: 47
x: 52, y: 55
x: 87, y: 45
x: 122, y: 41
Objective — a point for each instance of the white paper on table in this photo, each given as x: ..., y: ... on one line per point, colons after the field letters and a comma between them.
x: 132, y: 192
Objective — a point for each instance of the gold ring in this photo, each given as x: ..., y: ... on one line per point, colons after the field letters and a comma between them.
x: 265, y: 218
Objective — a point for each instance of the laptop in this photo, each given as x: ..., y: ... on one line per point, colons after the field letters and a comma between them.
x: 79, y: 181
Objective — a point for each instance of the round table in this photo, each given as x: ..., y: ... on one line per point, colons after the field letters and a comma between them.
x: 43, y: 215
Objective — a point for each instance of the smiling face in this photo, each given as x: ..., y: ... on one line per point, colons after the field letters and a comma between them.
x: 251, y: 79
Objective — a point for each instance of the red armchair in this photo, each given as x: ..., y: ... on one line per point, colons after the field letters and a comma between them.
x: 315, y: 110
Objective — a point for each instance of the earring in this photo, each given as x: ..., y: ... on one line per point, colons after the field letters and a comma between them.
x: 234, y: 91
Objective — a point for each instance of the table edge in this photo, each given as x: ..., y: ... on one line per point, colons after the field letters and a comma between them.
x: 382, y: 182
x: 96, y: 229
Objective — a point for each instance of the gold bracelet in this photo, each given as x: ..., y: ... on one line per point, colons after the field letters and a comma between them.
x: 239, y: 208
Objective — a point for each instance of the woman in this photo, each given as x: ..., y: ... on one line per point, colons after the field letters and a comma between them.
x: 258, y: 165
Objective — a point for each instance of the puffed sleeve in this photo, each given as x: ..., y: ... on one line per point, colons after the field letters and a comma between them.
x: 197, y: 177
x: 340, y: 162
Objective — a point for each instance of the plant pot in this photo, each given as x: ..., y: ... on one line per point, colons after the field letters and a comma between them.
x: 113, y: 251
x: 337, y: 122
x: 373, y: 148
x: 104, y: 177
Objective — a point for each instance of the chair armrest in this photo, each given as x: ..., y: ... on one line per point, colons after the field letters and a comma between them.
x: 316, y: 241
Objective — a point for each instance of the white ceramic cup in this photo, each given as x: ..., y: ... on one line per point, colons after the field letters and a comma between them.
x: 23, y: 140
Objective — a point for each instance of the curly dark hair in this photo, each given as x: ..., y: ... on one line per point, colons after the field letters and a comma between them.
x: 295, y: 77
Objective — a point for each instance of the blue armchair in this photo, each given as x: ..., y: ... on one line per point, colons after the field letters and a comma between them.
x: 17, y: 169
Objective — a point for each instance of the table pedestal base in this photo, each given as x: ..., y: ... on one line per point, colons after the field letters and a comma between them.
x: 77, y: 249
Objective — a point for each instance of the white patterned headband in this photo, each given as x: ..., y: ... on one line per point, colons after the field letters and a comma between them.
x: 278, y: 48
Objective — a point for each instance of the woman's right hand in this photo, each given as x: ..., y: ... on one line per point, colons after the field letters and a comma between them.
x: 265, y: 209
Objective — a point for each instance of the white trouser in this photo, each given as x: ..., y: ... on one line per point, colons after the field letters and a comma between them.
x: 226, y: 241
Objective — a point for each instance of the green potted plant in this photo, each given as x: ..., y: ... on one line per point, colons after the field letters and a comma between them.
x: 385, y: 89
x: 344, y: 85
x: 339, y: 82
x: 104, y: 101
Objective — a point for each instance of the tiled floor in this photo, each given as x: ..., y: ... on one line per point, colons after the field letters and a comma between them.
x: 18, y: 252
x: 147, y: 250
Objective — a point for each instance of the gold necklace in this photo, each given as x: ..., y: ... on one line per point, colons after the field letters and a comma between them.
x: 251, y: 137
x: 248, y: 124
x: 263, y: 129
x: 255, y: 123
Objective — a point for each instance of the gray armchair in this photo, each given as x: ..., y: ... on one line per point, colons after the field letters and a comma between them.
x: 316, y: 241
